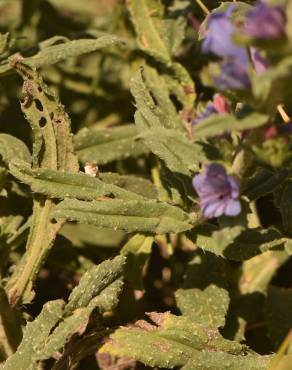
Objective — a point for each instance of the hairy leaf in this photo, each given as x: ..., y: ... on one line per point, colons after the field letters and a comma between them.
x: 173, y: 342
x: 203, y: 296
x: 220, y: 124
x: 57, y: 53
x: 13, y: 148
x: 57, y: 184
x: 131, y: 215
x: 103, y: 146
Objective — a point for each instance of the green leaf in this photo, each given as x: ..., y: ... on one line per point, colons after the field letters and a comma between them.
x: 236, y: 243
x: 258, y: 271
x: 53, y: 150
x: 224, y: 123
x: 179, y: 154
x: 275, y: 78
x: 137, y: 250
x: 158, y: 38
x: 203, y: 296
x: 146, y: 18
x: 95, y: 282
x: 264, y: 182
x: 151, y: 93
x: 51, y: 126
x: 57, y: 53
x: 278, y: 314
x: 171, y: 343
x: 103, y: 146
x: 205, y: 360
x: 98, y: 288
x: 13, y: 148
x: 34, y: 337
x: 57, y: 184
x: 132, y: 183
x: 131, y: 215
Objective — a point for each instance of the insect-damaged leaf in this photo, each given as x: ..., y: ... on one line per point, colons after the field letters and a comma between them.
x: 53, y: 150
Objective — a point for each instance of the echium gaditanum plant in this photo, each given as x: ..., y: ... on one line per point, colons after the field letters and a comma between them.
x: 145, y: 185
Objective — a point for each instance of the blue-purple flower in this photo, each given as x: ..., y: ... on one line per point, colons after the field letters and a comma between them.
x: 233, y: 75
x: 265, y: 22
x: 219, y: 37
x: 219, y: 105
x: 219, y: 41
x: 218, y: 192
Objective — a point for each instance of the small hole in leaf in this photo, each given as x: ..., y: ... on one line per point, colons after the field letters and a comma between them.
x: 40, y: 89
x: 38, y: 105
x: 52, y: 115
x: 42, y: 122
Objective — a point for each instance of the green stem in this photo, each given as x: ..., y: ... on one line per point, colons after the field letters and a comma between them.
x: 41, y: 236
x: 10, y: 325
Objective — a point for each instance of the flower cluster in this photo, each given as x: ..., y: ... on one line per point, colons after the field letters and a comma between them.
x: 217, y: 191
x: 263, y: 22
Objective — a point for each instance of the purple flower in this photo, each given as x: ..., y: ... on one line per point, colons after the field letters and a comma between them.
x: 260, y: 63
x: 218, y: 106
x: 265, y: 22
x: 209, y: 110
x: 219, y: 37
x: 218, y: 192
x: 234, y: 67
x: 233, y: 76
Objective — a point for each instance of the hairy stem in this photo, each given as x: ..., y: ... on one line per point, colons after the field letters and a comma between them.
x: 41, y: 236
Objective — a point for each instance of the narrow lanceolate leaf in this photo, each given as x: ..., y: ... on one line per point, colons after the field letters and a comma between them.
x: 98, y: 288
x: 151, y: 93
x: 57, y: 53
x: 34, y: 337
x: 51, y: 126
x: 172, y: 342
x: 154, y: 36
x: 53, y: 150
x: 135, y: 184
x: 57, y: 184
x: 152, y: 98
x: 178, y: 153
x: 94, y: 282
x: 129, y: 215
x: 146, y: 17
x: 220, y: 124
x: 103, y: 146
x: 203, y: 296
x: 48, y: 333
x: 13, y: 148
